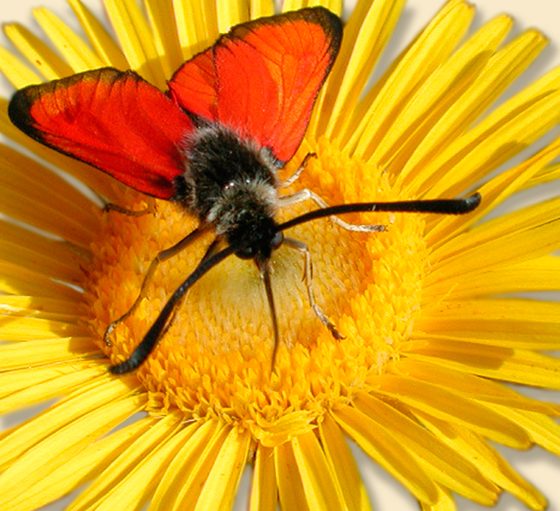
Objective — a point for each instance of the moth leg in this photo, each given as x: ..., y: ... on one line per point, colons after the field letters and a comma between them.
x: 307, y: 194
x: 110, y: 206
x: 295, y: 176
x: 164, y: 255
x: 308, y: 278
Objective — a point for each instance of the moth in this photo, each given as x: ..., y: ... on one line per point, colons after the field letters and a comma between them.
x: 213, y: 143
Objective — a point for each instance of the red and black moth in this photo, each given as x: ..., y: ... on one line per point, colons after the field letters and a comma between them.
x: 213, y: 143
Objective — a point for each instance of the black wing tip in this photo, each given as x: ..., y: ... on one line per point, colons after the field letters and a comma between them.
x: 22, y: 101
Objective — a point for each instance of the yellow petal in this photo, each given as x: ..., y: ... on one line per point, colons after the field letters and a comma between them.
x: 17, y: 73
x: 445, y: 465
x: 264, y: 493
x: 76, y: 53
x: 89, y: 464
x: 178, y: 471
x: 149, y: 445
x: 432, y: 47
x: 290, y: 486
x: 48, y: 63
x: 318, y: 482
x: 82, y: 401
x: 220, y: 487
x: 25, y: 387
x: 343, y: 465
x: 107, y: 50
x: 394, y: 457
x: 166, y: 40
x: 488, y: 460
x: 136, y: 39
x: 516, y: 366
x: 197, y: 25
x: 63, y: 445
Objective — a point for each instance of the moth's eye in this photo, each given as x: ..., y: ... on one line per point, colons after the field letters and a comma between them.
x: 277, y: 240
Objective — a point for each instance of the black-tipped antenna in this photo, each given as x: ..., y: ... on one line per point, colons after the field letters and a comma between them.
x: 154, y: 333
x: 441, y: 206
x: 264, y: 268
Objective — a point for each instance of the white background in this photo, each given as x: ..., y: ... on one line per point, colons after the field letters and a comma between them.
x: 541, y: 468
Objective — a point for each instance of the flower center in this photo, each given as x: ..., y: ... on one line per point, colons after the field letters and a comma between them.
x: 215, y: 358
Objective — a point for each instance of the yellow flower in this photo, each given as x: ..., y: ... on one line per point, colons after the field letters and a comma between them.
x: 436, y: 312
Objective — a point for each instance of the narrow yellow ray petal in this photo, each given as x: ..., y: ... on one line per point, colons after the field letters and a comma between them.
x: 18, y: 280
x: 491, y: 463
x: 56, y: 258
x: 187, y: 497
x: 264, y: 493
x: 393, y: 457
x: 17, y: 73
x: 471, y: 386
x: 431, y: 49
x: 23, y: 329
x: 316, y: 476
x: 197, y: 25
x: 46, y: 190
x: 516, y: 123
x: 451, y: 406
x: 36, y: 51
x: 502, y: 69
x: 528, y: 243
x: 29, y: 386
x: 231, y: 12
x: 443, y: 230
x: 136, y: 39
x: 106, y: 48
x: 445, y: 502
x: 260, y: 8
x: 540, y: 274
x: 543, y: 430
x: 89, y: 464
x: 292, y: 5
x: 136, y: 453
x: 445, y: 465
x: 77, y: 54
x: 39, y: 307
x: 179, y: 469
x: 62, y: 446
x: 516, y: 366
x: 166, y: 40
x: 365, y: 36
x: 518, y: 222
x: 42, y: 352
x: 290, y: 486
x: 81, y: 402
x: 525, y: 324
x: 546, y: 175
x: 511, y: 136
x: 343, y: 465
x: 138, y: 485
x: 220, y: 487
x: 438, y: 93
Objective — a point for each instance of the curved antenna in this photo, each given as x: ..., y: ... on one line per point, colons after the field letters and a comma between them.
x: 264, y: 268
x: 142, y: 351
x: 441, y: 206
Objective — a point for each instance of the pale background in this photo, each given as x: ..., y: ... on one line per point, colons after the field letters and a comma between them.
x: 538, y: 466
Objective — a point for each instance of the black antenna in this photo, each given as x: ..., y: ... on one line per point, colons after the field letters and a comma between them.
x: 151, y: 338
x: 264, y: 268
x: 441, y: 206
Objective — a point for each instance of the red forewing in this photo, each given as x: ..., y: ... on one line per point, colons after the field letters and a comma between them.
x: 262, y: 78
x: 113, y: 120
